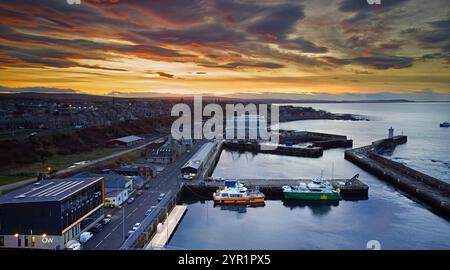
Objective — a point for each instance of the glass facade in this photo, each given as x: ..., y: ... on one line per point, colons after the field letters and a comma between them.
x: 80, y: 204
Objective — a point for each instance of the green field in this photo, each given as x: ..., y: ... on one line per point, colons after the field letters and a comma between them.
x: 7, y: 179
x: 56, y: 162
x: 8, y: 134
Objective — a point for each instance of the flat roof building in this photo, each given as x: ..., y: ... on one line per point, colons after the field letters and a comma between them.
x: 49, y: 213
x: 197, y: 162
x: 125, y: 141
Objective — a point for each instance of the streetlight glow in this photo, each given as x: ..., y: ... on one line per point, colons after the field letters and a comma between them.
x: 16, y: 235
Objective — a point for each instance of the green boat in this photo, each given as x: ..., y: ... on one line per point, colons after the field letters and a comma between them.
x: 317, y: 189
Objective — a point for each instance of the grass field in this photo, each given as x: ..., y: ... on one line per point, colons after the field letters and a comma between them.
x: 56, y: 162
x: 8, y: 134
x: 7, y: 179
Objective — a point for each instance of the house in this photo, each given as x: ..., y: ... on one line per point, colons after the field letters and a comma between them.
x: 166, y: 153
x: 125, y: 141
x: 115, y: 197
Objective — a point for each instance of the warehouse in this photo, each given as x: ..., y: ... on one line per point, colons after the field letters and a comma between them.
x: 125, y: 141
x: 49, y: 213
x: 196, y: 164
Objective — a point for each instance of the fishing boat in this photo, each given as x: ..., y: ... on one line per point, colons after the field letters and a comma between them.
x: 318, y: 189
x: 444, y: 124
x: 236, y: 193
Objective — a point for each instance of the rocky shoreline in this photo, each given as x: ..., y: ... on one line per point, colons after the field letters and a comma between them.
x: 294, y: 113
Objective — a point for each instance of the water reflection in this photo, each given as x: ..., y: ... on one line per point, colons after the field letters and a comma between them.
x: 319, y: 208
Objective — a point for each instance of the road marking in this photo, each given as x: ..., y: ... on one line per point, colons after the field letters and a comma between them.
x: 107, y: 235
x: 99, y: 243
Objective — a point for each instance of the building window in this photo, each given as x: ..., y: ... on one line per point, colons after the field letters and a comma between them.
x: 2, y: 241
x: 19, y: 241
x: 26, y: 241
x: 33, y: 241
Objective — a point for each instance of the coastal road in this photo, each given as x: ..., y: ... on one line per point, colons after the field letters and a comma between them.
x: 112, y: 235
x: 81, y: 166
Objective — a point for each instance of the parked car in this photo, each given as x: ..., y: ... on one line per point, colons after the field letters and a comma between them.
x: 139, y: 192
x: 147, y: 186
x: 129, y: 233
x: 130, y: 200
x: 84, y: 237
x: 136, y: 226
x: 161, y: 196
x: 219, y: 179
x: 74, y: 245
x: 106, y: 221
x: 149, y: 211
x: 187, y: 177
x: 109, y: 216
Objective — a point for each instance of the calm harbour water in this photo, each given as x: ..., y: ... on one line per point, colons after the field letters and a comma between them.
x: 387, y: 216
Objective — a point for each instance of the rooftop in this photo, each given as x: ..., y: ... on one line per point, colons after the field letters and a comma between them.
x: 48, y: 190
x: 128, y: 139
x: 200, y: 156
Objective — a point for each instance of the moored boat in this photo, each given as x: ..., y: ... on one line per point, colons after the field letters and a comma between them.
x: 236, y: 193
x: 318, y: 189
x: 444, y: 124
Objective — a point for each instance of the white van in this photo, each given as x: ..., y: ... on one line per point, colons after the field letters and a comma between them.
x: 84, y: 237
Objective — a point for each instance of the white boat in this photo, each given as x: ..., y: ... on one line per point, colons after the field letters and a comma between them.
x: 236, y: 193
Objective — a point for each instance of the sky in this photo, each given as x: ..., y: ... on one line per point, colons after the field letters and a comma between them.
x: 309, y: 48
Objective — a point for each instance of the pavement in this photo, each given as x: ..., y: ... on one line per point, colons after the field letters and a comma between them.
x: 113, y: 234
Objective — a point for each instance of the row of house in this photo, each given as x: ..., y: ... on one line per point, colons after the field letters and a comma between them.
x: 169, y: 151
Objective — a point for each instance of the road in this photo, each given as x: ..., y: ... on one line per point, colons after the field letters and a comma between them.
x: 112, y: 235
x: 77, y: 168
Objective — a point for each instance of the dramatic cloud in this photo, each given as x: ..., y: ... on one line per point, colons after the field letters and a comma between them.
x: 111, y: 44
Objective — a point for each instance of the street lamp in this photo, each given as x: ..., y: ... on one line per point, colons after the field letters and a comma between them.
x: 16, y: 235
x: 44, y: 235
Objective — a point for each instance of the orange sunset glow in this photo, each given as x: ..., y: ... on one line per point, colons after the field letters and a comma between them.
x: 225, y: 47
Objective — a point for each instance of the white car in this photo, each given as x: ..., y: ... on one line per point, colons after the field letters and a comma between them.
x: 84, y: 237
x: 136, y: 226
x: 219, y: 179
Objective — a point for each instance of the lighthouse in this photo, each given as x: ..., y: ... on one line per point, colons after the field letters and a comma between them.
x: 391, y: 133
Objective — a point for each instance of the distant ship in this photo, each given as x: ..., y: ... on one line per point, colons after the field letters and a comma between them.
x: 318, y: 189
x: 445, y: 124
x: 236, y: 193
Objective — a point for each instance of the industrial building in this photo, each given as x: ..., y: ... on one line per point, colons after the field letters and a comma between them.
x: 196, y: 164
x: 49, y: 213
x: 125, y: 141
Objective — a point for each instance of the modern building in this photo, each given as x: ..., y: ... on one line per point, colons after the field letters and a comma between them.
x: 49, y: 213
x: 196, y: 164
x: 125, y: 141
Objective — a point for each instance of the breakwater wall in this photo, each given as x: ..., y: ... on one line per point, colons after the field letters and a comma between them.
x: 312, y: 152
x: 429, y: 190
